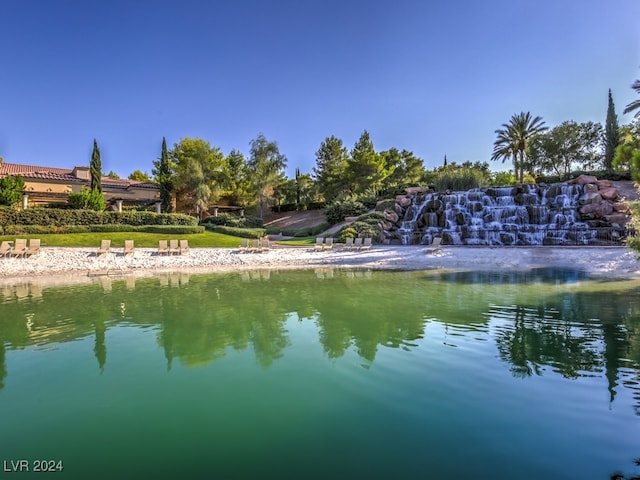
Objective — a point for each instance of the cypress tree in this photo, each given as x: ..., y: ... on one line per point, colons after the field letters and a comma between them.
x: 611, y: 134
x: 95, y: 168
x: 163, y: 174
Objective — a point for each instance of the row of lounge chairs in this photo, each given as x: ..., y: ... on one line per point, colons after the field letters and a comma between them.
x: 173, y: 247
x: 324, y: 243
x: 350, y: 243
x: 256, y: 245
x: 105, y: 247
x: 19, y: 248
x: 358, y: 243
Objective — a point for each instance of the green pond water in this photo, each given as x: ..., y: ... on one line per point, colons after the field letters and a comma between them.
x: 323, y: 374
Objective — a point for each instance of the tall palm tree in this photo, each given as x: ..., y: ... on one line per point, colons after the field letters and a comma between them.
x: 505, y: 148
x: 514, y: 138
x: 635, y: 105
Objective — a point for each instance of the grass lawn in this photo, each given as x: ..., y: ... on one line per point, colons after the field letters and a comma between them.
x: 298, y: 242
x: 141, y: 239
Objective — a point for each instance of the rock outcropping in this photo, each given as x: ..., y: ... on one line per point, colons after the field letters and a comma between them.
x: 583, y: 211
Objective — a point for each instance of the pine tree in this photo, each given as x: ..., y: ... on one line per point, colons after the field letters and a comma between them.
x: 95, y: 168
x: 611, y: 134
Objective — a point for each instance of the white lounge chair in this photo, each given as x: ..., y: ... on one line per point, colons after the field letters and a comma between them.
x: 184, y: 247
x: 105, y: 247
x: 5, y: 249
x: 163, y: 247
x: 435, y: 245
x: 128, y: 247
x: 34, y: 248
x: 174, y: 248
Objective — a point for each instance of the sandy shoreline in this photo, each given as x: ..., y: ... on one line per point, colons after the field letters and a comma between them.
x: 62, y: 264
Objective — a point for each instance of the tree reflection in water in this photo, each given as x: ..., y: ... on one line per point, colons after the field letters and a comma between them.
x: 539, y: 320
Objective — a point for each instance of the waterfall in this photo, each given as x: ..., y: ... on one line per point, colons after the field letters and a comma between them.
x: 521, y: 215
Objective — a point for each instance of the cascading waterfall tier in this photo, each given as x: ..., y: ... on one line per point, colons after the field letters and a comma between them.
x: 572, y: 213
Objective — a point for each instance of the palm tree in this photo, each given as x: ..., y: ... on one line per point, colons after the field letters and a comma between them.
x: 504, y: 148
x: 514, y: 138
x: 635, y: 105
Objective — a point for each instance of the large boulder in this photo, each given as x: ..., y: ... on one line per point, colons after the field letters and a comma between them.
x: 582, y: 179
x: 589, y: 198
x: 415, y: 190
x: 609, y: 193
x: 621, y: 207
x: 589, y: 188
x: 604, y: 183
x: 618, y: 218
x: 403, y: 200
x: 391, y: 216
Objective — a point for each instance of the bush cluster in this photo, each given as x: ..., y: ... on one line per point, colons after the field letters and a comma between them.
x: 386, y: 204
x: 367, y: 225
x: 228, y: 220
x: 459, y: 179
x: 347, y: 208
x: 59, y: 217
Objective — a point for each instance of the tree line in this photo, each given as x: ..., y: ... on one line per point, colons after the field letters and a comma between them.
x: 537, y: 150
x: 195, y: 174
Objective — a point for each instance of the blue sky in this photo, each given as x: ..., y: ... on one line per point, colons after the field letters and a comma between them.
x: 434, y: 77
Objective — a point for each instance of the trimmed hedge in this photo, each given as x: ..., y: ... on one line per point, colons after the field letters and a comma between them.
x: 272, y: 230
x: 113, y: 227
x: 61, y: 217
x: 237, y: 232
x: 168, y: 229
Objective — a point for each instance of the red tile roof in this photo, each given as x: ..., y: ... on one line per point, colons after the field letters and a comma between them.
x: 65, y: 174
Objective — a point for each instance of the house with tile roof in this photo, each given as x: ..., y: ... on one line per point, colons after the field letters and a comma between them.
x: 50, y: 185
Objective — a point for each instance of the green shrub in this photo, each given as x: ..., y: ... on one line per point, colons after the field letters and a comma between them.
x: 112, y: 227
x: 60, y: 217
x: 303, y: 232
x: 373, y: 218
x: 226, y: 219
x: 459, y: 179
x: 272, y: 230
x: 168, y: 229
x: 88, y: 199
x: 11, y: 189
x: 315, y: 230
x: 367, y: 230
x: 338, y: 210
x: 347, y: 232
x: 27, y: 230
x: 385, y: 204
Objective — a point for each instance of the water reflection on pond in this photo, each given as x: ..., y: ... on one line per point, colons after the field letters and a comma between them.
x: 408, y: 360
